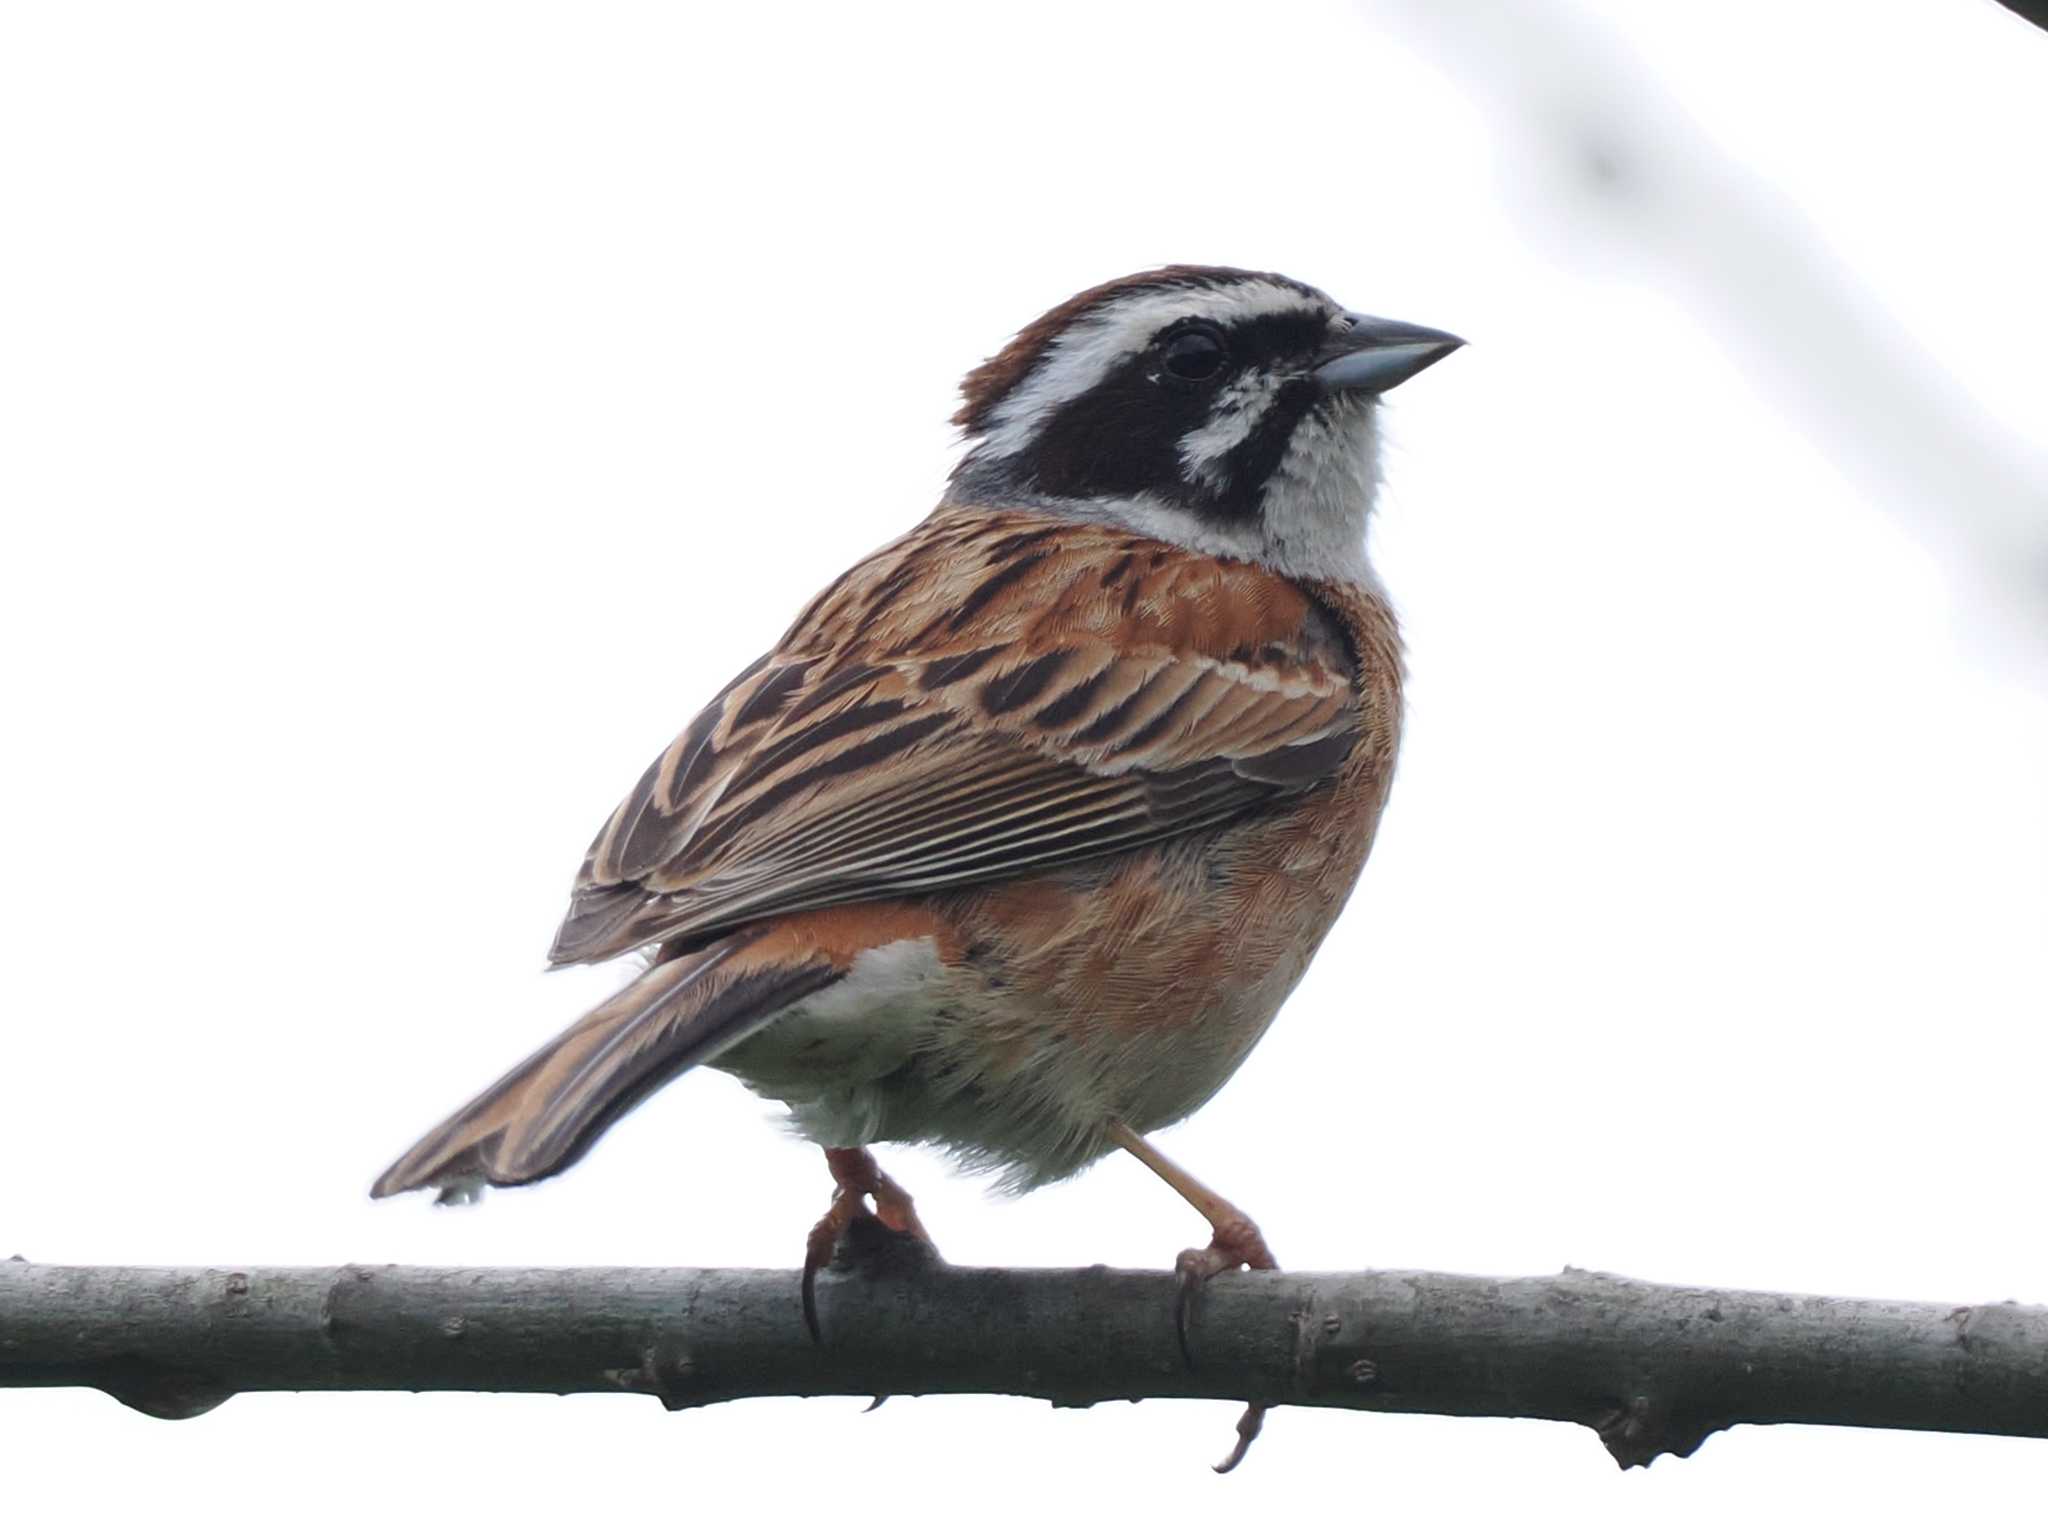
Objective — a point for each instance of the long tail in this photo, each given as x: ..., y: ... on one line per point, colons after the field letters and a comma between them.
x: 545, y: 1113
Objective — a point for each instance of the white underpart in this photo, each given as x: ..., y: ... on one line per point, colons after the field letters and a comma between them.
x: 1238, y: 409
x: 827, y: 1056
x: 1087, y: 352
x: 891, y: 978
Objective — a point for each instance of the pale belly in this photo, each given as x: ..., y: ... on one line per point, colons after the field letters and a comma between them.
x: 1129, y: 992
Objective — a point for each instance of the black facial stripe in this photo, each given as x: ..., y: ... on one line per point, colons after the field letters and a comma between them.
x: 1281, y: 333
x: 1123, y: 437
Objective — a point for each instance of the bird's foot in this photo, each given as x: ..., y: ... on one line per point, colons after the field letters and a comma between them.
x: 1235, y: 1243
x: 859, y: 1235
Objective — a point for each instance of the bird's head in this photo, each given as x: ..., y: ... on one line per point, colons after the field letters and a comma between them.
x: 1224, y: 410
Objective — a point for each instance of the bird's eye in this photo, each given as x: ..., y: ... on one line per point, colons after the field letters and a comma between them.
x: 1194, y: 354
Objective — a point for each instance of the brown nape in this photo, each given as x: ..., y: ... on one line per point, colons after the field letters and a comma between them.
x: 987, y: 384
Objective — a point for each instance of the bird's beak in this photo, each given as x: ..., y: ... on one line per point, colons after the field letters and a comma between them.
x: 1369, y: 356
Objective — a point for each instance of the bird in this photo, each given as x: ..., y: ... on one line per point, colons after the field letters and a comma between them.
x: 1017, y: 840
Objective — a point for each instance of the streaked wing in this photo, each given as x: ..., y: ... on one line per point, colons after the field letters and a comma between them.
x: 993, y: 694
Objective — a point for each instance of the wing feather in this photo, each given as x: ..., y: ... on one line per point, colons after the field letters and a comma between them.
x: 996, y: 693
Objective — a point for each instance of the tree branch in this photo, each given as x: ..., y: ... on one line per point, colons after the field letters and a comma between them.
x: 1652, y: 1368
x: 2030, y: 10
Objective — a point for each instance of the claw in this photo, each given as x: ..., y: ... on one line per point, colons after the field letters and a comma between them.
x: 856, y: 1177
x: 1249, y: 1423
x: 846, y: 1204
x: 810, y: 1289
x: 1234, y: 1243
x: 1194, y: 1271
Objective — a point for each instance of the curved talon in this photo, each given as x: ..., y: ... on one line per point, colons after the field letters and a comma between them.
x: 1236, y: 1244
x: 1192, y: 1278
x: 818, y: 1248
x: 1249, y: 1423
x: 810, y: 1295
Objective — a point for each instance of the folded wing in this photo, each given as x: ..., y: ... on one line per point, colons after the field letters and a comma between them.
x: 993, y: 694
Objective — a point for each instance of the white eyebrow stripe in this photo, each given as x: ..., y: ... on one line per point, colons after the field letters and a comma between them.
x: 1239, y: 408
x: 1084, y: 354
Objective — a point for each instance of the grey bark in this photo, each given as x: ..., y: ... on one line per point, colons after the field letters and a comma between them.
x: 1651, y: 1368
x: 2035, y: 11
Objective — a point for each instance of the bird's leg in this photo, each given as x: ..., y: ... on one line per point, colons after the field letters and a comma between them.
x: 1234, y: 1242
x: 856, y: 1178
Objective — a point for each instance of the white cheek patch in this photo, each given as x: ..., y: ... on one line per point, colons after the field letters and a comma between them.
x: 1090, y: 349
x: 1240, y: 407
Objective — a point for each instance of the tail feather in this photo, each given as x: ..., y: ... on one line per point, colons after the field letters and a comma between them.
x: 545, y: 1113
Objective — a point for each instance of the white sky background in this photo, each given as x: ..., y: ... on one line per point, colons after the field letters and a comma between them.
x: 410, y: 413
